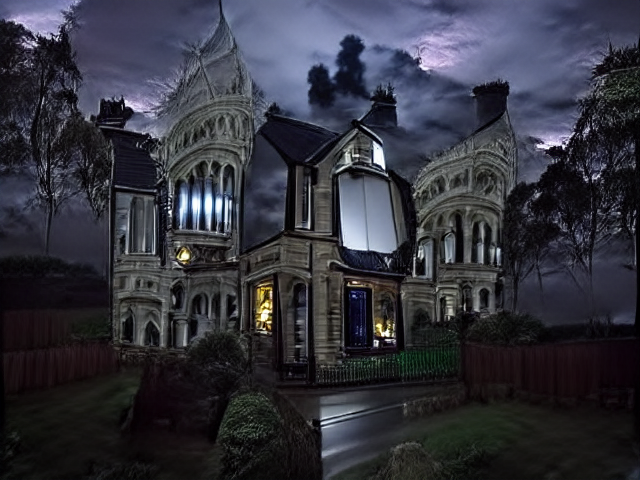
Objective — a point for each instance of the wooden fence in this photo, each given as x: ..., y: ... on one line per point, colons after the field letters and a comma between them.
x: 564, y: 370
x: 33, y: 329
x: 45, y: 368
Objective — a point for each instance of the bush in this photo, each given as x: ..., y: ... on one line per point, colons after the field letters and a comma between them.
x: 410, y: 461
x: 251, y: 439
x: 507, y: 328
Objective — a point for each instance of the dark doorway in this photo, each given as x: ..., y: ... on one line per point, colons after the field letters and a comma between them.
x: 358, y: 318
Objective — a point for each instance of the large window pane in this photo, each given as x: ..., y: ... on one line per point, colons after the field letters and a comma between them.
x: 352, y: 212
x: 380, y: 225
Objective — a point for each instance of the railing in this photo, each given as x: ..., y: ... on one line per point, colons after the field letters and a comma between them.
x: 438, y: 360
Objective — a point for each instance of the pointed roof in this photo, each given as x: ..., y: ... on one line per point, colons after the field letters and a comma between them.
x: 212, y: 69
x: 296, y: 141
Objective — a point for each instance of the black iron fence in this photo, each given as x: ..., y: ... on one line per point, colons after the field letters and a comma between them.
x: 438, y: 359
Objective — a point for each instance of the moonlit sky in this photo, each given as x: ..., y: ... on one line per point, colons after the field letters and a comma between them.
x: 544, y: 48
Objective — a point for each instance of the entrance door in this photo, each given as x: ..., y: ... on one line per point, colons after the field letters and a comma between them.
x: 358, y: 321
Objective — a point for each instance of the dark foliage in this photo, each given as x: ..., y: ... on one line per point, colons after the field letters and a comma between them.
x: 322, y: 91
x: 384, y: 94
x: 349, y: 79
x: 43, y: 266
x: 507, y: 328
x: 496, y: 86
x: 251, y: 438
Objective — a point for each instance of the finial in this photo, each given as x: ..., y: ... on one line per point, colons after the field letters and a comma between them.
x: 221, y: 11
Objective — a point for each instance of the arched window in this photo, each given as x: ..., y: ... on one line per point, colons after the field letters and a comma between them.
x: 477, y: 249
x: 227, y: 207
x: 182, y: 205
x: 126, y: 332
x: 300, y: 320
x: 467, y: 299
x: 426, y: 256
x: 209, y: 215
x: 177, y: 297
x: 487, y: 245
x: 449, y: 247
x: 459, y: 255
x: 196, y: 203
x: 205, y: 203
x: 484, y: 299
x: 200, y: 305
x: 151, y: 335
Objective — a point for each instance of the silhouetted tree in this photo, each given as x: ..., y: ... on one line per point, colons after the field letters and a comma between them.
x: 91, y: 164
x: 322, y: 91
x: 526, y: 238
x: 349, y: 79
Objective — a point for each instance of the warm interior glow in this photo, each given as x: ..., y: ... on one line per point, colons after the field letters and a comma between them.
x: 264, y: 307
x: 184, y: 255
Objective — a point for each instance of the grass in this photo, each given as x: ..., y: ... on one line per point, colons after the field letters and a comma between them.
x: 65, y: 429
x: 527, y: 442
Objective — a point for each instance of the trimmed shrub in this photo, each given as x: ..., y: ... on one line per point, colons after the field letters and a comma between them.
x: 506, y: 328
x: 251, y: 439
x: 410, y: 461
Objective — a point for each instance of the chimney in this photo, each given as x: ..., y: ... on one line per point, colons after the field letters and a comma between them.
x: 491, y: 101
x: 383, y: 109
x: 113, y: 113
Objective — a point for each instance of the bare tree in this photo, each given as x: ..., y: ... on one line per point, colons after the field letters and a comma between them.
x: 55, y: 78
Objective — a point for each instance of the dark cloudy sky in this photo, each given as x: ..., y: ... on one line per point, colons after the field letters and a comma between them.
x: 544, y: 48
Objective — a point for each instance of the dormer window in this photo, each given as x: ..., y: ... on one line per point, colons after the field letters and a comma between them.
x: 365, y: 151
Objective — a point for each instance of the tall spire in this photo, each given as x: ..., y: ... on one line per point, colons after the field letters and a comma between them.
x: 220, y: 8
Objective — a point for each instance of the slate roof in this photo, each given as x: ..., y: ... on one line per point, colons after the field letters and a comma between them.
x: 296, y: 141
x: 133, y: 165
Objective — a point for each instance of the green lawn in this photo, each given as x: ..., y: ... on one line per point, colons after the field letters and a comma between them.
x: 66, y: 428
x: 529, y: 442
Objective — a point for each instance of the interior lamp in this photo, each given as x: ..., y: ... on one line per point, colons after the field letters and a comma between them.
x: 183, y: 256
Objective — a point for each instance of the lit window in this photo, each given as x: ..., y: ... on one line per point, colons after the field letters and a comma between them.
x: 264, y: 308
x: 205, y: 203
x: 385, y: 323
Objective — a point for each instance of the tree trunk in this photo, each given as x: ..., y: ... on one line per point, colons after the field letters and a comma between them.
x: 514, y: 295
x: 47, y: 228
x: 636, y: 393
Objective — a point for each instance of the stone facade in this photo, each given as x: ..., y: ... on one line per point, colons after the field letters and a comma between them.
x: 358, y: 252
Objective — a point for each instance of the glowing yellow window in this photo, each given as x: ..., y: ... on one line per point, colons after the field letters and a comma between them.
x: 264, y: 307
